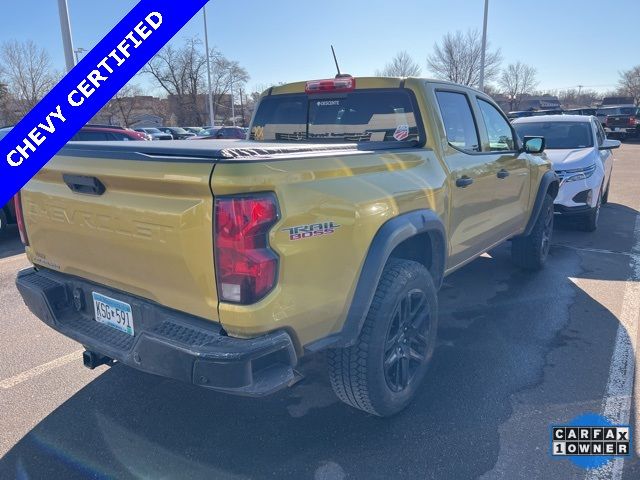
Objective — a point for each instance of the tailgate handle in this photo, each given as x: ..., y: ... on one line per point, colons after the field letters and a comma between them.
x: 83, y: 184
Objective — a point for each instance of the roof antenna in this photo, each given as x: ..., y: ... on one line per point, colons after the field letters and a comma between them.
x: 335, y: 59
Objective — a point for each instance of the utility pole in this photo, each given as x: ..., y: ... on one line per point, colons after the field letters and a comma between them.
x: 65, y: 27
x: 212, y: 120
x: 484, y: 44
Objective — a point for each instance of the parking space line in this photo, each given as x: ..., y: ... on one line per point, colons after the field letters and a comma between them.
x: 39, y: 370
x: 619, y: 394
x: 591, y: 250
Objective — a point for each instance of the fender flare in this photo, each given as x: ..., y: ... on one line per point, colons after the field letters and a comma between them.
x: 387, y: 238
x: 548, y: 179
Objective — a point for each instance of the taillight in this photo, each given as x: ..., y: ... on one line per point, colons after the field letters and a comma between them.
x: 246, y: 268
x: 332, y: 85
x: 17, y: 206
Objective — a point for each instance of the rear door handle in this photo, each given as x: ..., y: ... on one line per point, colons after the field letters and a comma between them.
x: 503, y: 174
x: 464, y: 181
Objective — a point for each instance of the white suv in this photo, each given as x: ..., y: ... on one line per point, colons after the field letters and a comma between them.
x: 581, y: 155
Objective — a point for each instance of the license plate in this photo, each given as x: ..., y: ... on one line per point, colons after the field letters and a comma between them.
x: 114, y: 313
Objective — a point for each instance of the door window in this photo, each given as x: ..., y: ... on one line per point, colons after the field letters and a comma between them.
x: 498, y: 129
x: 459, y: 123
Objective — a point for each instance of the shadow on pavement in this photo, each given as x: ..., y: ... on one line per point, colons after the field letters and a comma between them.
x: 10, y: 243
x: 498, y: 326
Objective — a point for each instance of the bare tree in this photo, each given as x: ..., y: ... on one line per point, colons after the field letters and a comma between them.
x: 457, y: 58
x: 228, y: 77
x: 402, y: 65
x: 578, y: 98
x: 516, y: 80
x: 27, y: 70
x: 182, y: 74
x: 630, y: 83
x: 123, y: 105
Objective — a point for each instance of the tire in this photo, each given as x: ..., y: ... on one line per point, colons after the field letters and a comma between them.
x: 589, y: 222
x: 530, y: 252
x: 3, y: 221
x: 398, y: 336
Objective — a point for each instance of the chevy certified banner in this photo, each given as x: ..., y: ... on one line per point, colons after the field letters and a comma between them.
x: 88, y: 87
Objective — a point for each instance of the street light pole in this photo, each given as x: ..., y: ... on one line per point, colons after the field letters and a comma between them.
x: 484, y: 44
x: 206, y: 45
x: 233, y: 105
x: 65, y: 26
x: 78, y: 51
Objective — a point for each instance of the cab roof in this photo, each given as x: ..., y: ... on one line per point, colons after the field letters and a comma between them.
x: 365, y: 82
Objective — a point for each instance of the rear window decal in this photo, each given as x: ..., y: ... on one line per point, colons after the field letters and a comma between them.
x: 401, y: 133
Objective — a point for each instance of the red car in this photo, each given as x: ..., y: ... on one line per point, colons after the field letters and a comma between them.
x: 236, y: 133
x: 103, y: 133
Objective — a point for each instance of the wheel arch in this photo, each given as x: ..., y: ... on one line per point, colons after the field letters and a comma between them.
x: 419, y: 236
x: 550, y: 183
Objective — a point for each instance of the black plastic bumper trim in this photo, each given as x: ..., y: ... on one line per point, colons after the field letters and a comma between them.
x: 166, y: 343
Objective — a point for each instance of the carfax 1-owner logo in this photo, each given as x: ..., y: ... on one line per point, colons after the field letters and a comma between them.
x: 590, y: 441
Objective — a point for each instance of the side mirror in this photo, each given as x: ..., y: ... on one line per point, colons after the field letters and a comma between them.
x: 534, y: 144
x: 609, y: 144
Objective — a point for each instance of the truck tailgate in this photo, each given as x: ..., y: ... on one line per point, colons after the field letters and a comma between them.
x: 149, y: 233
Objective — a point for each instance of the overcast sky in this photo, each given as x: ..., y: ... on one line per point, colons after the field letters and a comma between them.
x: 571, y: 42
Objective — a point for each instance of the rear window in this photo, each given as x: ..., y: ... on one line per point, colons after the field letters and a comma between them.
x: 359, y: 116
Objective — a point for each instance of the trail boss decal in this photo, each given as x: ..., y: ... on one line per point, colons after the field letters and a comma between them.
x: 311, y: 230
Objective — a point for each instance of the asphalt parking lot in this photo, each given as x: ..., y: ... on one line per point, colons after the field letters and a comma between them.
x: 517, y: 353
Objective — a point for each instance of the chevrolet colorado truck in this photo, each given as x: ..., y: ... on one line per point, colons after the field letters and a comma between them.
x: 222, y: 263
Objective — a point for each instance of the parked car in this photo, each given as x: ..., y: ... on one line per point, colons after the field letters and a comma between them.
x: 604, y: 112
x: 540, y: 113
x: 207, y: 132
x: 223, y: 133
x: 581, y: 111
x: 155, y: 133
x: 519, y: 114
x: 93, y: 133
x: 7, y: 212
x: 581, y: 155
x: 177, y: 133
x: 626, y: 124
x: 248, y: 255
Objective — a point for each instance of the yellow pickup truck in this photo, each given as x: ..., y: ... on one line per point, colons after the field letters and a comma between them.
x: 222, y: 263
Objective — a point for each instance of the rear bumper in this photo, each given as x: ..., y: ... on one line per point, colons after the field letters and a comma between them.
x: 624, y: 129
x: 166, y: 343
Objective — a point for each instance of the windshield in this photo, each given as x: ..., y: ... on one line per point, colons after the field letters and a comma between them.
x: 207, y: 132
x: 3, y: 132
x: 559, y: 135
x: 179, y: 130
x: 359, y: 116
x: 152, y: 130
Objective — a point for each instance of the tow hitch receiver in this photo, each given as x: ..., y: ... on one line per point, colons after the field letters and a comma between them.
x: 92, y: 360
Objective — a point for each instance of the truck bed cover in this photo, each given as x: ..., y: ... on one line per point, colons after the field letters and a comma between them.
x: 201, y: 150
